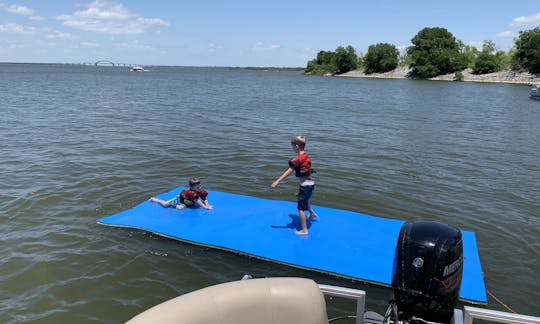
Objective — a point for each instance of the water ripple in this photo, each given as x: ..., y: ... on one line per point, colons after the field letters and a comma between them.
x: 83, y: 143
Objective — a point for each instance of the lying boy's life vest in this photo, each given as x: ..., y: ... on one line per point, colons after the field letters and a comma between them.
x: 189, y: 196
x: 301, y: 166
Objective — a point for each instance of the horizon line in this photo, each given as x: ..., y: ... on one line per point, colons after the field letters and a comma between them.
x: 131, y: 64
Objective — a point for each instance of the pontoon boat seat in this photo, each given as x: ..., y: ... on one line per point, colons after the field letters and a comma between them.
x: 255, y: 301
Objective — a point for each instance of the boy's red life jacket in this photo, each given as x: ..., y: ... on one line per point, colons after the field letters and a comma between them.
x: 301, y: 165
x: 189, y: 196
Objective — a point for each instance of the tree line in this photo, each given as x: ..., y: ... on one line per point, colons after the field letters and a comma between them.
x: 434, y: 51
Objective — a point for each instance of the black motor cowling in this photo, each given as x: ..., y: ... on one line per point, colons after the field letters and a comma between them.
x: 428, y: 267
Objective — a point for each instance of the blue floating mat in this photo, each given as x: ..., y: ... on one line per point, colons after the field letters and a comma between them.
x: 342, y: 243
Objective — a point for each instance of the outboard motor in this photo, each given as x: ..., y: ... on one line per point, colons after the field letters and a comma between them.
x: 428, y: 267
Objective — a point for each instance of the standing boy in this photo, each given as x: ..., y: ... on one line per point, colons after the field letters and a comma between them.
x: 301, y: 166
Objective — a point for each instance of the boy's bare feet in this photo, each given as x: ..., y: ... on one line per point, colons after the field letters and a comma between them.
x: 301, y: 232
x: 313, y: 216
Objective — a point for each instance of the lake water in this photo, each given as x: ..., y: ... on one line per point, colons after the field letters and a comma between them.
x: 83, y: 142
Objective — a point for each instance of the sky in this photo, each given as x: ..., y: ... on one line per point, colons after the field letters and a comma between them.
x: 241, y: 33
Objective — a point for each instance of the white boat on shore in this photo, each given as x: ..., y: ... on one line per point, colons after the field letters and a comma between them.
x: 535, y: 91
x: 137, y: 68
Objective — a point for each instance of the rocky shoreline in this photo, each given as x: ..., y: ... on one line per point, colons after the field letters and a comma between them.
x: 497, y: 77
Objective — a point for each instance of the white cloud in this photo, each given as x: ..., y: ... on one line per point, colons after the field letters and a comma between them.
x: 88, y: 44
x: 109, y: 18
x: 12, y: 28
x: 22, y: 10
x: 16, y: 46
x: 260, y: 46
x: 507, y: 34
x: 59, y: 35
x: 16, y: 29
x: 532, y: 20
x: 214, y: 47
x: 136, y: 45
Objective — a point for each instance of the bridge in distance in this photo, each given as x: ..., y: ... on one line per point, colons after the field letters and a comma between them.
x: 107, y: 63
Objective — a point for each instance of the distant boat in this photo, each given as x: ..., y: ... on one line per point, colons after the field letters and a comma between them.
x: 137, y: 68
x: 535, y: 91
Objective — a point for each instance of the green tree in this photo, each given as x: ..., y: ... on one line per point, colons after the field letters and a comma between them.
x: 504, y: 59
x: 325, y: 57
x: 345, y: 59
x: 489, y: 60
x: 458, y: 76
x: 380, y: 58
x: 513, y: 60
x: 468, y: 54
x: 361, y: 61
x: 324, y: 63
x: 404, y: 59
x: 527, y: 53
x: 485, y: 63
x: 435, y: 51
x: 489, y: 46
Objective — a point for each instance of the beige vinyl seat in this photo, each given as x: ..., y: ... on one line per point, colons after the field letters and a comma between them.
x: 255, y: 301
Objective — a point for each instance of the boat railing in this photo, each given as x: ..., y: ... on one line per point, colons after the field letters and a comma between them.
x: 348, y: 293
x: 465, y: 316
x: 470, y: 313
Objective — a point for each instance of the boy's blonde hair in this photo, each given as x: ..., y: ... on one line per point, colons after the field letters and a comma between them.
x: 299, y: 140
